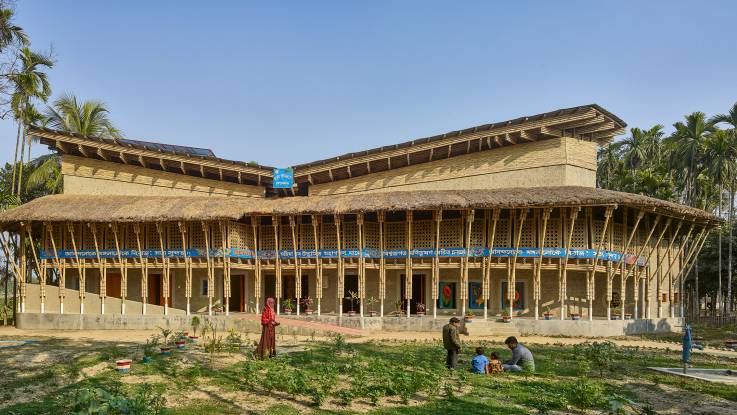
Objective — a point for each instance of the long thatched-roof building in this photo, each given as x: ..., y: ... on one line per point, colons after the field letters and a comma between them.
x: 502, y: 220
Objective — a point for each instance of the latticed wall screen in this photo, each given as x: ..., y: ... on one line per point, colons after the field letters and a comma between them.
x: 239, y: 235
x: 527, y: 239
x: 618, y: 235
x: 130, y: 240
x: 350, y: 235
x: 152, y: 237
x: 89, y: 240
x: 553, y: 234
x: 197, y: 236
x: 598, y: 228
x: 478, y: 230
x: 216, y: 236
x: 451, y: 233
x: 395, y: 235
x: 372, y: 234
x: 329, y: 239
x: 174, y: 236
x: 58, y: 236
x: 422, y: 235
x: 306, y: 236
x: 580, y: 238
x: 502, y: 236
x: 285, y: 237
x: 266, y: 237
x: 110, y: 237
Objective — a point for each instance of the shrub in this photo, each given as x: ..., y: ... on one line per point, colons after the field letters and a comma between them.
x: 584, y: 393
x: 601, y: 355
x: 144, y: 401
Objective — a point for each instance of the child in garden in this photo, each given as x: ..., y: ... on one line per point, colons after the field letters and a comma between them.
x: 479, y: 362
x: 495, y: 365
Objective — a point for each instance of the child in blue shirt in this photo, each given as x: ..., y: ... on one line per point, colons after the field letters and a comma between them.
x: 479, y: 363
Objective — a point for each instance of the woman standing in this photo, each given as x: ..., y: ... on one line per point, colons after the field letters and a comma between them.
x: 267, y: 345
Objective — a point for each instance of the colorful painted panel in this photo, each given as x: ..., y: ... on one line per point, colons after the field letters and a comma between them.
x: 475, y: 296
x: 447, y: 295
x: 519, y: 295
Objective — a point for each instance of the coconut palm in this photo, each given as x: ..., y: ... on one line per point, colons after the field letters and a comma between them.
x: 730, y: 119
x: 29, y: 83
x: 88, y: 118
x: 9, y: 32
x: 641, y: 147
x: 687, y: 144
x: 45, y: 175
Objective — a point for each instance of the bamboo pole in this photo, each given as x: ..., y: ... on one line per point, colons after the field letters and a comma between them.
x: 318, y: 260
x: 408, y: 264
x: 513, y: 279
x: 468, y: 216
x: 80, y: 268
x: 144, y: 268
x: 680, y: 276
x: 647, y: 263
x: 14, y: 267
x: 275, y: 222
x: 224, y: 245
x: 673, y: 237
x: 340, y: 286
x: 256, y: 262
x: 61, y: 269
x: 210, y: 271
x: 681, y: 247
x: 187, y: 266
x: 537, y: 283
x: 382, y: 265
x: 297, y: 271
x: 165, y: 265
x: 123, y: 269
x: 607, y: 218
x: 361, y: 265
x: 101, y: 265
x: 564, y: 274
x: 39, y: 268
x: 640, y: 251
x: 437, y: 218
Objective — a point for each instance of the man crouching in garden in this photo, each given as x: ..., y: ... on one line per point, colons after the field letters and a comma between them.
x: 521, y: 360
x: 451, y: 342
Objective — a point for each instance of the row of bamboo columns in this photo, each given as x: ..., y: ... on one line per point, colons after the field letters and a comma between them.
x: 677, y: 229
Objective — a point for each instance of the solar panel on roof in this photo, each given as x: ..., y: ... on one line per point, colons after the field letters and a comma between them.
x: 169, y: 148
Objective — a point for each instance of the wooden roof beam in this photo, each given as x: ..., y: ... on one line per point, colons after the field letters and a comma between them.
x: 181, y: 167
x: 102, y: 154
x: 61, y: 146
x: 162, y: 164
x: 368, y: 167
x: 81, y: 149
x: 527, y: 136
x: 142, y: 161
x: 350, y: 174
x: 508, y: 139
x: 553, y: 132
x: 593, y: 128
x: 608, y: 133
x: 123, y: 158
x: 432, y: 151
x: 202, y: 170
x: 240, y: 178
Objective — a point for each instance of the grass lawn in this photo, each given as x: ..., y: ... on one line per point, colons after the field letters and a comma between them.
x: 57, y: 376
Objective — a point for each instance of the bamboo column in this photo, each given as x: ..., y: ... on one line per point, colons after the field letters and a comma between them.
x: 275, y: 222
x: 44, y: 270
x: 537, y: 283
x: 564, y: 273
x: 210, y: 270
x: 621, y: 263
x: 658, y: 270
x: 80, y: 267
x: 648, y: 270
x: 468, y: 216
x: 15, y: 265
x: 297, y: 270
x: 59, y: 266
x: 637, y: 258
x: 187, y: 266
x: 408, y: 264
x: 513, y: 279
x: 361, y: 264
x: 318, y: 260
x: 165, y: 268
x: 677, y: 256
x: 23, y: 272
x: 144, y: 267
x: 256, y: 262
x: 680, y: 276
x: 39, y: 268
x: 340, y: 286
x: 102, y: 265
x: 607, y: 219
x: 382, y: 266
x: 224, y: 245
x: 437, y: 218
x: 123, y: 269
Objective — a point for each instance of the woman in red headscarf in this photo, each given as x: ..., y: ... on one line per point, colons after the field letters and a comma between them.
x: 267, y: 345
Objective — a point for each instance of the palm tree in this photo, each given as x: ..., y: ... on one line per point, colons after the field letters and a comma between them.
x: 88, y: 118
x: 9, y: 32
x: 687, y: 144
x: 30, y: 83
x: 45, y: 175
x: 730, y: 119
x: 641, y: 147
x: 721, y: 151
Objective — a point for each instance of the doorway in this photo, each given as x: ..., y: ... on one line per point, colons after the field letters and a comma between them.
x: 350, y: 284
x: 112, y: 285
x: 270, y: 286
x: 418, y: 292
x: 155, y: 291
x: 237, y: 284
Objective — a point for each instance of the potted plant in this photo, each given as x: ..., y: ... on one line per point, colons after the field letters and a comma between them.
x: 150, y: 347
x: 288, y: 306
x: 217, y: 309
x: 123, y: 365
x: 575, y: 316
x: 506, y: 317
x: 628, y: 316
x: 165, y: 347
x: 547, y: 315
x: 195, y: 322
x: 398, y: 308
x: 180, y: 340
x: 352, y: 299
x: 307, y: 303
x: 371, y: 301
x: 616, y: 314
x: 420, y: 309
x: 468, y: 318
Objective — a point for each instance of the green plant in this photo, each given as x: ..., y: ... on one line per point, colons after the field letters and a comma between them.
x: 600, y: 354
x: 195, y: 323
x: 234, y: 341
x: 584, y: 393
x: 149, y: 349
x: 370, y: 302
x: 352, y: 298
x: 307, y: 303
x: 113, y: 400
x: 398, y: 307
x: 165, y: 333
x: 288, y: 305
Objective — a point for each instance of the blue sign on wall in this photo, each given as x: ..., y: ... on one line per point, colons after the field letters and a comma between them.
x: 283, y: 178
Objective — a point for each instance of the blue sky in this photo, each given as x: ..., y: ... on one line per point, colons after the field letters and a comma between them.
x: 289, y: 82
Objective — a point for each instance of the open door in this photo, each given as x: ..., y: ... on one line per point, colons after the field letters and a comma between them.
x: 351, y: 284
x: 112, y: 285
x: 155, y: 291
x: 418, y: 292
x: 236, y: 293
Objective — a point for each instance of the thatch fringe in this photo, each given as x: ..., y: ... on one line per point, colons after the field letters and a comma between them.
x: 106, y: 208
